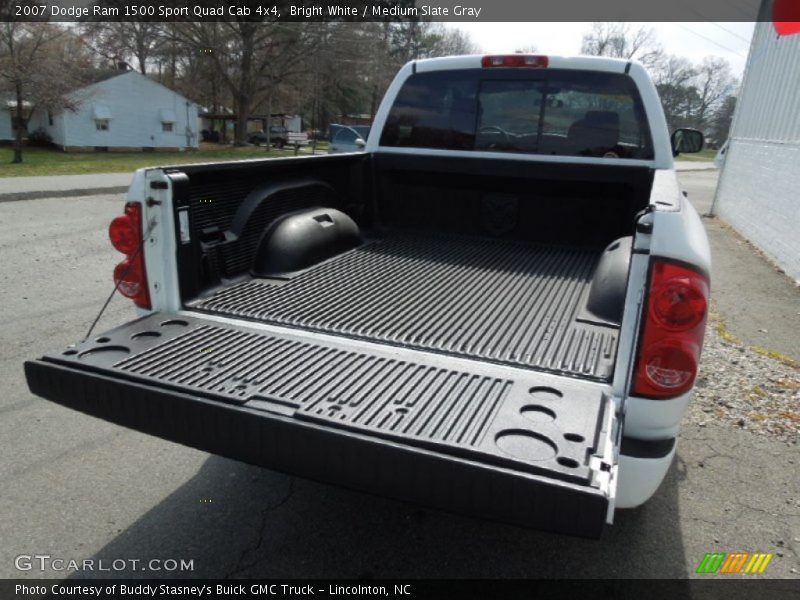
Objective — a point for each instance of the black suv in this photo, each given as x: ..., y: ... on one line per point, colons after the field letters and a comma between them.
x: 278, y: 136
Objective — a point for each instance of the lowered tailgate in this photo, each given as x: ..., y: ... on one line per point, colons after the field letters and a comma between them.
x: 483, y: 439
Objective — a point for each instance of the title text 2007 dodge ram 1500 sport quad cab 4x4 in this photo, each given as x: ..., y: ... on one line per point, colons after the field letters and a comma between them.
x: 496, y: 309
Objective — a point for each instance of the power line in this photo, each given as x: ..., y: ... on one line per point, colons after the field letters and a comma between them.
x: 705, y: 19
x: 749, y: 13
x: 733, y: 33
x: 708, y: 39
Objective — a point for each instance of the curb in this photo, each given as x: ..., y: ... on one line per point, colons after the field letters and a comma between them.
x: 694, y: 166
x: 14, y: 197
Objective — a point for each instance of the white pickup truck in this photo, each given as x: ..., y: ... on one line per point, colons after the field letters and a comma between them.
x: 496, y: 309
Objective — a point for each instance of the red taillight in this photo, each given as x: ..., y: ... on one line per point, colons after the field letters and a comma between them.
x: 130, y: 277
x: 516, y: 60
x: 122, y: 233
x: 679, y: 303
x: 672, y: 331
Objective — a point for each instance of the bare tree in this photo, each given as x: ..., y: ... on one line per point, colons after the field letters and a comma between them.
x: 252, y: 58
x: 621, y: 40
x: 126, y: 41
x: 720, y: 121
x: 673, y: 76
x: 412, y: 40
x: 451, y: 41
x: 39, y: 69
x: 714, y: 83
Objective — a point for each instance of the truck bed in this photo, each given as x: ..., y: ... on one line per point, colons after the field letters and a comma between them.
x: 501, y: 301
x: 449, y: 359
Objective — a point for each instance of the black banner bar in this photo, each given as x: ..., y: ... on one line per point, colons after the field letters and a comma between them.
x: 394, y: 10
x: 731, y: 588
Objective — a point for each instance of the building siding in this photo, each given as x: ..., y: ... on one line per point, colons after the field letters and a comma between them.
x: 40, y: 120
x: 135, y: 103
x: 6, y: 131
x: 758, y: 191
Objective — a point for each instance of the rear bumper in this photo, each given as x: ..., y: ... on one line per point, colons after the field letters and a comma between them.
x: 325, y: 454
x: 642, y: 467
x: 647, y: 419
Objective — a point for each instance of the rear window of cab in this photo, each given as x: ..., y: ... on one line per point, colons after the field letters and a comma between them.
x: 552, y: 112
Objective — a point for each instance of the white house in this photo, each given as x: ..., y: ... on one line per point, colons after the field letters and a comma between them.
x: 6, y: 128
x: 758, y: 190
x: 119, y: 110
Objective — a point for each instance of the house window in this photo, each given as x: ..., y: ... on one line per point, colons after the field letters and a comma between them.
x: 101, y: 124
x: 166, y: 127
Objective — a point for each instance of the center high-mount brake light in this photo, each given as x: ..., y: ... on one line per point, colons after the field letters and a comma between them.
x: 516, y: 60
x: 130, y: 277
x: 673, y: 326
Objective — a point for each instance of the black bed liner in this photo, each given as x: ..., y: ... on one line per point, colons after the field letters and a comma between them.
x: 503, y: 301
x: 454, y: 433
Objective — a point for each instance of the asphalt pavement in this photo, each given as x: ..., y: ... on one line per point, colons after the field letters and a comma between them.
x: 74, y: 487
x: 28, y: 188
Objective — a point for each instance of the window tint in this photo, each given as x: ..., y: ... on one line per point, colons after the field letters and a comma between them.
x: 567, y: 113
x: 509, y: 115
x: 434, y: 110
x: 362, y: 130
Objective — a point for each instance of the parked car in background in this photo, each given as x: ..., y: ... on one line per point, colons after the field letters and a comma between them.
x: 278, y: 136
x: 348, y: 138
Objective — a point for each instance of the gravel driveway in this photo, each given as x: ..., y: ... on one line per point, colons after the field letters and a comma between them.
x: 752, y: 389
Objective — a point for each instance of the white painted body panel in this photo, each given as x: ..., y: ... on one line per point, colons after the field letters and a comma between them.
x: 640, y: 478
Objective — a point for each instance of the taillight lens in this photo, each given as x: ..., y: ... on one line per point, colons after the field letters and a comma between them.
x: 515, y: 60
x: 122, y: 232
x: 672, y: 331
x: 130, y: 277
x: 680, y: 302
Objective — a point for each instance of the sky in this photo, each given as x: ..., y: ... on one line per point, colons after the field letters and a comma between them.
x: 690, y: 40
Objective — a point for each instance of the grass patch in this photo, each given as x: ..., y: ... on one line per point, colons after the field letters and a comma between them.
x: 781, y: 358
x: 724, y: 333
x: 47, y: 161
x: 703, y: 156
